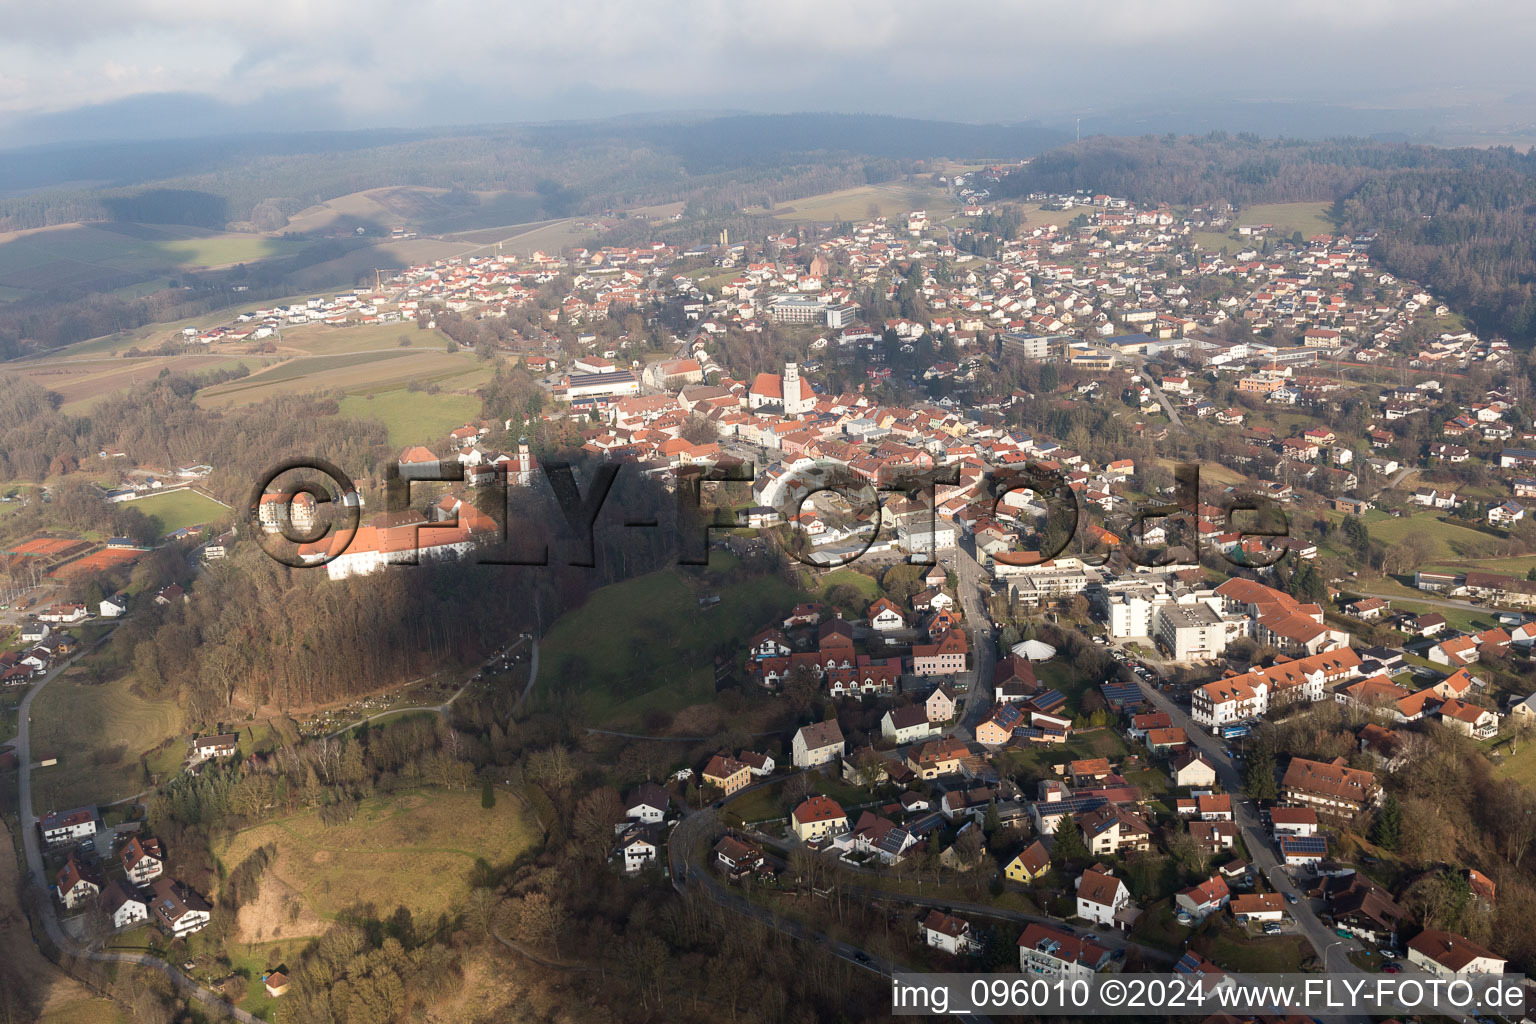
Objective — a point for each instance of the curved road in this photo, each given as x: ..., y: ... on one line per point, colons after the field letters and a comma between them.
x: 32, y: 844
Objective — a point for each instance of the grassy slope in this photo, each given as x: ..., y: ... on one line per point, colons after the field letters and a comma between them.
x: 645, y: 643
x: 98, y: 734
x: 414, y: 850
x: 413, y: 417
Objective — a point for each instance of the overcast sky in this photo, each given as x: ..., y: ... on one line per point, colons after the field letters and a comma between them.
x: 292, y: 63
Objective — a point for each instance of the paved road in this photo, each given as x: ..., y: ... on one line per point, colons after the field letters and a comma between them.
x: 1157, y: 392
x: 1443, y: 602
x: 1332, y: 951
x: 32, y: 845
x: 973, y: 586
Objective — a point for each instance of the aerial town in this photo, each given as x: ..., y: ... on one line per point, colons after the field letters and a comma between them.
x: 1158, y: 738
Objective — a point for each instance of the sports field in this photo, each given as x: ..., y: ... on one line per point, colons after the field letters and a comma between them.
x: 96, y: 561
x: 413, y: 850
x: 176, y: 509
x: 98, y: 733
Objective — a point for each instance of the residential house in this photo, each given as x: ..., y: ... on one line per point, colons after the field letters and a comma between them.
x: 206, y: 747
x: 648, y: 804
x: 1469, y: 719
x: 1447, y: 954
x: 819, y: 817
x: 1101, y: 897
x: 636, y: 847
x: 885, y: 616
x: 736, y: 857
x: 1192, y: 769
x: 123, y: 905
x: 1111, y: 829
x: 1029, y: 865
x: 940, y: 704
x: 951, y: 934
x: 816, y: 744
x: 142, y: 860
x: 1254, y: 906
x: 177, y: 909
x: 906, y: 725
x: 946, y: 657
x: 1330, y: 788
x: 1364, y: 909
x: 1199, y: 901
x: 727, y: 774
x: 937, y: 758
x: 77, y: 882
x: 60, y: 828
x: 1292, y: 821
x: 1055, y: 953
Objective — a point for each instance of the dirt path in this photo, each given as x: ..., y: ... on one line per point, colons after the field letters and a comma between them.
x: 55, y: 988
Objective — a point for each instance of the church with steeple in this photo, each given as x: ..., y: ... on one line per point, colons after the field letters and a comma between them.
x: 786, y: 391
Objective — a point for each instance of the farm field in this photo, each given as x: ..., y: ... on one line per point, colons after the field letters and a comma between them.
x: 180, y: 508
x: 98, y: 734
x: 350, y: 372
x: 549, y: 236
x: 96, y: 255
x: 325, y: 340
x: 1036, y: 217
x: 414, y: 850
x: 1308, y: 218
x: 82, y: 382
x: 413, y: 417
x: 359, y: 264
x: 853, y: 204
x: 646, y: 644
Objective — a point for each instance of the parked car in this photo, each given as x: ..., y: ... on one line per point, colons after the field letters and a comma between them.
x: 1392, y: 969
x: 1291, y: 899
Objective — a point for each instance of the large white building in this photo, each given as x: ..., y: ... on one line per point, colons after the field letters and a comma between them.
x: 1239, y: 698
x: 1196, y: 631
x: 375, y: 547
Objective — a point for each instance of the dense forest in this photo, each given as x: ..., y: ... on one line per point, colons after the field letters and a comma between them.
x: 159, y: 422
x: 1461, y: 221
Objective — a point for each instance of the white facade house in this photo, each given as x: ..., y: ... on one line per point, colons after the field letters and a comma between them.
x: 123, y: 906
x: 1100, y: 896
x: 63, y: 827
x: 817, y: 744
x: 906, y: 725
x: 951, y: 934
x: 1448, y: 954
x: 178, y: 910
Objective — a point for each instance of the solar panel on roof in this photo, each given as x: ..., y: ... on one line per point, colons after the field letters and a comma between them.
x: 1304, y: 844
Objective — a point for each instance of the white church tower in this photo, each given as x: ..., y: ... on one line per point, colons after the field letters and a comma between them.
x: 522, y: 468
x: 798, y: 398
